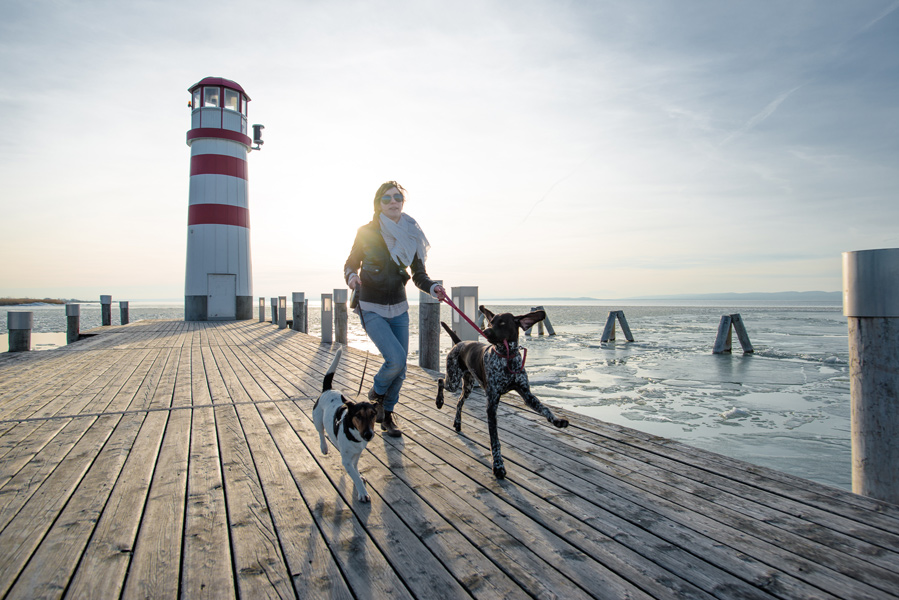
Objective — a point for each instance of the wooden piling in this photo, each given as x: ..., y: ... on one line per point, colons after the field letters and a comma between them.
x: 19, y: 323
x: 327, y: 319
x: 340, y: 315
x: 282, y: 312
x: 608, y: 333
x: 724, y: 339
x: 871, y: 305
x: 106, y: 310
x: 429, y: 331
x: 73, y: 322
x: 299, y: 311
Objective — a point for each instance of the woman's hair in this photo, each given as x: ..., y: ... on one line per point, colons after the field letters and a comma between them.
x: 384, y: 187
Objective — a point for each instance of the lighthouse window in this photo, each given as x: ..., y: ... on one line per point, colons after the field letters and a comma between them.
x: 232, y: 100
x: 211, y: 96
x: 196, y: 98
x: 243, y: 104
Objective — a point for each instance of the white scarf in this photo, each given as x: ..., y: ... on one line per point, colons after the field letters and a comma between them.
x: 404, y: 239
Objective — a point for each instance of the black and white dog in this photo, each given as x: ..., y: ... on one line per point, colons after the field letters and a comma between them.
x: 498, y: 367
x: 349, y: 425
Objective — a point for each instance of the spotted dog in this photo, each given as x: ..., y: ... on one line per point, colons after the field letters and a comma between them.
x: 498, y: 367
x: 350, y: 426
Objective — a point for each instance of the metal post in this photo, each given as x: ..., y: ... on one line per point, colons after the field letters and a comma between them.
x: 429, y: 331
x: 282, y: 312
x: 106, y: 311
x: 871, y: 305
x: 123, y: 313
x: 327, y: 319
x: 466, y: 298
x: 274, y: 302
x: 261, y: 309
x: 19, y: 324
x: 73, y: 322
x: 340, y: 316
x: 299, y: 311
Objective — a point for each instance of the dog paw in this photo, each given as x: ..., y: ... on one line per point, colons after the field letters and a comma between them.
x: 560, y: 423
x: 457, y: 425
x: 364, y: 498
x: 439, y: 401
x: 499, y: 471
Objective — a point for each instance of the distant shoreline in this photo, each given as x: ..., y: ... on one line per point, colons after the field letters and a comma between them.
x: 24, y: 301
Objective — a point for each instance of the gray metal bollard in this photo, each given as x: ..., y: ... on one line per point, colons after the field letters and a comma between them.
x: 306, y: 315
x: 299, y: 311
x: 106, y: 311
x: 274, y: 311
x: 73, y: 322
x: 466, y: 299
x: 19, y: 324
x: 340, y: 316
x: 261, y: 309
x: 871, y: 305
x: 282, y: 312
x: 123, y: 313
x: 429, y: 331
x: 327, y: 319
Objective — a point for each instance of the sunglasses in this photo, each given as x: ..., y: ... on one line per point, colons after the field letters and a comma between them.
x: 385, y: 200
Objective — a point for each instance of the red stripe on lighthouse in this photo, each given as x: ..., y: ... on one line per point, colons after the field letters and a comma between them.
x: 218, y: 214
x: 218, y: 164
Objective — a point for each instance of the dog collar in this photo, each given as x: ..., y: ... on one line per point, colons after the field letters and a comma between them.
x: 512, y: 351
x: 340, y: 419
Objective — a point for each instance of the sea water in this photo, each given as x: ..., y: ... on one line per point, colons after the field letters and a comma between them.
x: 784, y: 406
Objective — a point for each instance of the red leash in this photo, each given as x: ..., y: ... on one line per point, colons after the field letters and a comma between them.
x: 464, y: 316
x: 508, y: 355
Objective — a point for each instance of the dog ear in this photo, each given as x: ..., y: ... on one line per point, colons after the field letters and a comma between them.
x: 349, y: 403
x: 527, y: 321
x: 487, y: 314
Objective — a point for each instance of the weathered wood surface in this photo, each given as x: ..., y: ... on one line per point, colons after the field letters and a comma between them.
x: 165, y: 459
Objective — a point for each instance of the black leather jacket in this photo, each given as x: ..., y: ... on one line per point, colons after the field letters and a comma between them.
x: 383, y: 281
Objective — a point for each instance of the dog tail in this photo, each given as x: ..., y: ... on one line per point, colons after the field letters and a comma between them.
x: 329, y: 376
x: 456, y: 339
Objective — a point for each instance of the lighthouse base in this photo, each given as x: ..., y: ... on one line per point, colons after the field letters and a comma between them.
x: 196, y: 308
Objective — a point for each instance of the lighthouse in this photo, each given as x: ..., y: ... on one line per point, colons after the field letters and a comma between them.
x: 219, y: 276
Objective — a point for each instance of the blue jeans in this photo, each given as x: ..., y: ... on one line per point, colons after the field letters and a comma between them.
x: 391, y: 336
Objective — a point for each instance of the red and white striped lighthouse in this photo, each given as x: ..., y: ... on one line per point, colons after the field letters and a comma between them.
x: 218, y: 282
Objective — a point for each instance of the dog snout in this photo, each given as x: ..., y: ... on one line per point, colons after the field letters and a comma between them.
x: 368, y: 434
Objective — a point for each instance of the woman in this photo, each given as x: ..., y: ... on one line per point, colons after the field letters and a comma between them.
x: 384, y: 249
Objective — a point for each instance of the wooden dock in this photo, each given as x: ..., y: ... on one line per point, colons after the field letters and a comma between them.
x: 168, y: 459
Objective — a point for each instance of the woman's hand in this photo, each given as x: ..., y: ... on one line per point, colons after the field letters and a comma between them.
x: 440, y: 292
x: 353, y: 281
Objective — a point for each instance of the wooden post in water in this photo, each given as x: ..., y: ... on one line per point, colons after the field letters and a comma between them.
x: 106, y: 311
x: 340, y: 315
x: 327, y: 319
x: 545, y: 322
x: 299, y: 311
x: 19, y: 324
x: 73, y: 322
x: 871, y: 305
x: 608, y: 334
x: 123, y: 312
x: 261, y: 309
x: 429, y: 330
x: 723, y: 341
x: 282, y: 312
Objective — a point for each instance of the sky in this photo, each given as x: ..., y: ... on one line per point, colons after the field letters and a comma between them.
x: 602, y: 148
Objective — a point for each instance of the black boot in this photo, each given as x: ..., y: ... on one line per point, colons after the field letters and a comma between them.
x: 379, y: 400
x: 389, y: 427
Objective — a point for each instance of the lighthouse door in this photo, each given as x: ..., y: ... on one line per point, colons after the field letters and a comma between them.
x: 222, y: 301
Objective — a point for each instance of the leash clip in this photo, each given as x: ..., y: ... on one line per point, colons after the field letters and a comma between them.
x: 524, y: 357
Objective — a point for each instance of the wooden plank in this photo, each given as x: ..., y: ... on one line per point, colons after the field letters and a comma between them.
x: 108, y: 555
x: 257, y: 555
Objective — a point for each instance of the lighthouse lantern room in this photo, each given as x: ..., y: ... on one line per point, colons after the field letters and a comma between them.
x: 218, y: 279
